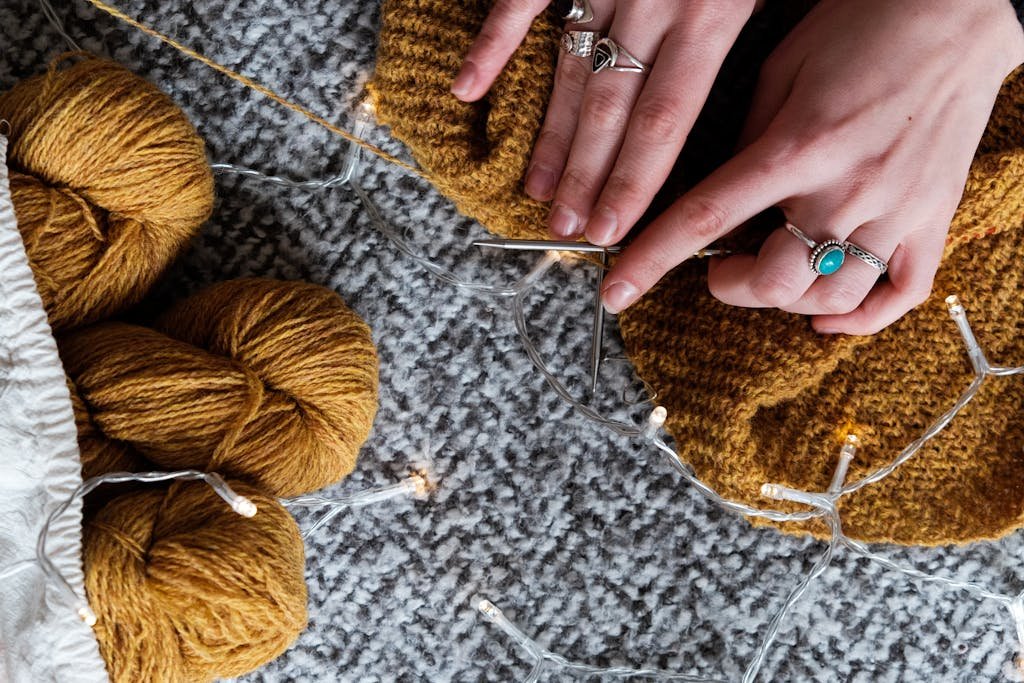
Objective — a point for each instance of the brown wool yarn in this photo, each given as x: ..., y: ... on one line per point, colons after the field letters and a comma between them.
x: 773, y: 400
x: 476, y: 153
x: 99, y: 454
x: 268, y: 381
x: 185, y: 589
x: 109, y: 182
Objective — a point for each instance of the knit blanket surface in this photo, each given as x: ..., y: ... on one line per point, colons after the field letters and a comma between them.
x: 588, y: 542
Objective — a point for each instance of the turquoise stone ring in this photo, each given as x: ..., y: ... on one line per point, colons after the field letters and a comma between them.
x: 828, y: 257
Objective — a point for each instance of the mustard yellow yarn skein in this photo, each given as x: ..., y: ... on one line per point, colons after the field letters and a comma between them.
x: 267, y: 381
x: 109, y: 181
x: 185, y: 589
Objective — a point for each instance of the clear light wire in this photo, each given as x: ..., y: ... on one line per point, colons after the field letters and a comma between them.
x: 540, y: 655
x: 821, y: 505
x: 57, y: 24
x: 417, y: 485
x: 240, y: 504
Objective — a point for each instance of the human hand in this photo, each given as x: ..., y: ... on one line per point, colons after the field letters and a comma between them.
x: 863, y: 128
x: 610, y: 139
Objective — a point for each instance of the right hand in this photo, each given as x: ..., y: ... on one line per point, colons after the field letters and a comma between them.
x: 610, y: 139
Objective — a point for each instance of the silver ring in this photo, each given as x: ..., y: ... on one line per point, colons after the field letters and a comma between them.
x: 575, y: 11
x: 867, y: 257
x: 579, y: 43
x: 606, y: 57
x: 826, y: 257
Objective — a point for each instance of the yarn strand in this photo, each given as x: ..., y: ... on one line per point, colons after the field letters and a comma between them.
x: 258, y: 87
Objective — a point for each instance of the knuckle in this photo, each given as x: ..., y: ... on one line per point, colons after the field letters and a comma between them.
x: 574, y: 183
x: 704, y: 219
x: 605, y: 111
x: 623, y: 190
x: 839, y: 299
x: 487, y: 44
x: 659, y: 120
x: 552, y: 143
x: 919, y: 294
x: 572, y: 75
x: 775, y: 287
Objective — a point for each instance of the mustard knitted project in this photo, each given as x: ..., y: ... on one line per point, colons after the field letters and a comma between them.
x: 773, y: 400
x: 476, y: 153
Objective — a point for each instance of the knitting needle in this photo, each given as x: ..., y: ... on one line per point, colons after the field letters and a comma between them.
x: 597, y: 330
x: 597, y: 335
x: 545, y: 245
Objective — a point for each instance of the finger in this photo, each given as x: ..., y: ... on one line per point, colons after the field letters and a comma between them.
x: 777, y: 276
x: 843, y: 291
x: 503, y: 30
x: 773, y: 89
x: 668, y: 105
x: 552, y: 148
x: 911, y: 274
x: 747, y: 184
x: 607, y: 105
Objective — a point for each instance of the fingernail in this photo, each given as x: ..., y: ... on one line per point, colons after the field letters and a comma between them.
x: 563, y: 221
x: 540, y: 182
x: 827, y: 330
x: 602, y: 226
x: 618, y: 296
x: 463, y: 83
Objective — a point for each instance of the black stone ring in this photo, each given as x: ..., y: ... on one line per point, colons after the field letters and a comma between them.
x: 575, y: 11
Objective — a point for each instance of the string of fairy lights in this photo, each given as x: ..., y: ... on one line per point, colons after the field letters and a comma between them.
x: 822, y: 505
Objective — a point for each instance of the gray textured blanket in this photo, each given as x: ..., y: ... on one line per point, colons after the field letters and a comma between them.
x: 589, y: 542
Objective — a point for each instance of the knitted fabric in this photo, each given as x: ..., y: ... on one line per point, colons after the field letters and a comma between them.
x: 774, y: 400
x: 476, y: 152
x: 771, y: 400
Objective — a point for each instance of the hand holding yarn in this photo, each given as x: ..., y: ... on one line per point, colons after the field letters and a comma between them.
x: 862, y: 129
x: 610, y: 139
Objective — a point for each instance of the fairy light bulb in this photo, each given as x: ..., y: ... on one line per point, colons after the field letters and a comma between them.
x: 846, y: 454
x: 86, y: 614
x: 243, y: 506
x: 655, y: 421
x: 974, y: 352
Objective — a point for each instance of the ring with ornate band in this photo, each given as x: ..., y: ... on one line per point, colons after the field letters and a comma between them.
x: 867, y: 257
x: 579, y: 43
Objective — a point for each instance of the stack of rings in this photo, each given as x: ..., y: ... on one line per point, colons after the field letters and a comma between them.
x: 605, y: 52
x: 829, y: 256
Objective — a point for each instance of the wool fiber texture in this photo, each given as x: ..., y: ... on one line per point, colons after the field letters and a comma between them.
x: 109, y: 182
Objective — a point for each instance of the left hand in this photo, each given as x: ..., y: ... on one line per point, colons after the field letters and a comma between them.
x: 863, y: 129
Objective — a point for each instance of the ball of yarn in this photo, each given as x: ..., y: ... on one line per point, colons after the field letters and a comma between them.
x: 185, y: 589
x: 271, y: 382
x: 109, y: 182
